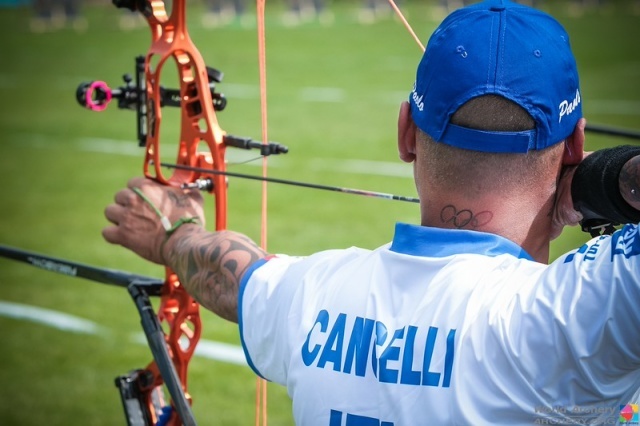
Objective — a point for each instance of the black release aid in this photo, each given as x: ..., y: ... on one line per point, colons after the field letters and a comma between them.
x: 596, y: 192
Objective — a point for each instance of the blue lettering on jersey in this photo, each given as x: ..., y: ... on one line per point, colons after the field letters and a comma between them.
x: 358, y: 347
x: 335, y: 419
x: 593, y: 250
x: 349, y: 349
x: 626, y: 242
x: 333, y: 347
x: 589, y: 251
x: 309, y: 355
x: 408, y: 375
x: 390, y: 353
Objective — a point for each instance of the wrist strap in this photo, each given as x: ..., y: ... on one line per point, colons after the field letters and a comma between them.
x: 166, y: 224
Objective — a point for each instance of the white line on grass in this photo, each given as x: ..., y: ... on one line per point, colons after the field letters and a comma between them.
x: 130, y: 149
x: 50, y: 318
x: 322, y: 94
x: 240, y: 91
x: 111, y: 146
x: 364, y: 167
x: 209, y: 349
x: 221, y: 352
x: 206, y: 348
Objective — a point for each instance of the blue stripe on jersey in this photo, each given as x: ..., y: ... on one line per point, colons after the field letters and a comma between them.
x: 243, y: 285
x: 436, y: 242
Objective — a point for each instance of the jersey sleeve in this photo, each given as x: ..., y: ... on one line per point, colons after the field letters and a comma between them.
x: 271, y: 299
x: 262, y: 307
x: 605, y: 300
x: 586, y: 316
x: 562, y: 335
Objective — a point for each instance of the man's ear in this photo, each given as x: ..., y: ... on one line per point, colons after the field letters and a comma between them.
x: 406, y: 134
x: 574, y: 145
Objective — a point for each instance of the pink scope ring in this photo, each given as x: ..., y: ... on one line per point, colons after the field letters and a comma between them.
x: 101, y: 104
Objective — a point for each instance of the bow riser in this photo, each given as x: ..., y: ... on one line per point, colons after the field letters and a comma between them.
x: 199, y: 122
x: 174, y: 331
x: 171, y: 43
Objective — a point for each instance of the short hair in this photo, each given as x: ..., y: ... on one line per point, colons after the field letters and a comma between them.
x: 472, y: 173
x: 495, y: 113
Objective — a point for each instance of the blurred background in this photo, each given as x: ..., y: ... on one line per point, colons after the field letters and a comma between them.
x: 337, y: 72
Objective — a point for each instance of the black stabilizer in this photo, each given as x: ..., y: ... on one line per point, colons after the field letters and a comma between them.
x: 595, y: 188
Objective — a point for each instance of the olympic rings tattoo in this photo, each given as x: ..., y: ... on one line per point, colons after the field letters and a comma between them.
x: 462, y: 218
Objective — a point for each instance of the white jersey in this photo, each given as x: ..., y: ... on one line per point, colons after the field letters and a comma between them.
x: 450, y: 327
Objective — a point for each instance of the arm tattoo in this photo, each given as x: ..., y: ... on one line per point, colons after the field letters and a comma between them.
x: 464, y: 218
x: 629, y: 181
x: 180, y: 200
x: 211, y: 265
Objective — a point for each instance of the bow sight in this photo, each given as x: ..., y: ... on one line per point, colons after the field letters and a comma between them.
x: 96, y: 95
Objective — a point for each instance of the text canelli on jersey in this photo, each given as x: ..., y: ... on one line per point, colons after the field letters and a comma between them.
x: 410, y: 355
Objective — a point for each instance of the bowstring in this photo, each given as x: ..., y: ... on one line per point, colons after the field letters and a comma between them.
x: 261, y: 384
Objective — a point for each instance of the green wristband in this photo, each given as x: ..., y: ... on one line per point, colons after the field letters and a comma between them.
x: 166, y: 224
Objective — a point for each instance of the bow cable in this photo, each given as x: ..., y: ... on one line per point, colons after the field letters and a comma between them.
x: 406, y: 23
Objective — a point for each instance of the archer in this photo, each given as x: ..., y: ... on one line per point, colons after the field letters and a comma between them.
x: 468, y: 296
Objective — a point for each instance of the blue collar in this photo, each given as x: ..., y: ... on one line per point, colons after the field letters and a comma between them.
x: 436, y: 242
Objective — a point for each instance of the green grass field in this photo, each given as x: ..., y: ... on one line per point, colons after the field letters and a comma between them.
x: 334, y: 93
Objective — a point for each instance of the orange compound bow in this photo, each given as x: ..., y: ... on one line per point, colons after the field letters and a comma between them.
x: 141, y: 390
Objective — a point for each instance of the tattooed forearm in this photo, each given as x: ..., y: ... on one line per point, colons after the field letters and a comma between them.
x: 629, y: 181
x: 211, y: 265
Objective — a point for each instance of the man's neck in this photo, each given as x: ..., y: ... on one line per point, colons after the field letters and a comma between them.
x: 525, y: 223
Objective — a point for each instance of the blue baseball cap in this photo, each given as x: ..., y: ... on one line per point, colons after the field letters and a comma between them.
x: 498, y: 47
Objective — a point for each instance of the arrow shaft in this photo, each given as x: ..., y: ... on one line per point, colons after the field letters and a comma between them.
x: 344, y: 190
